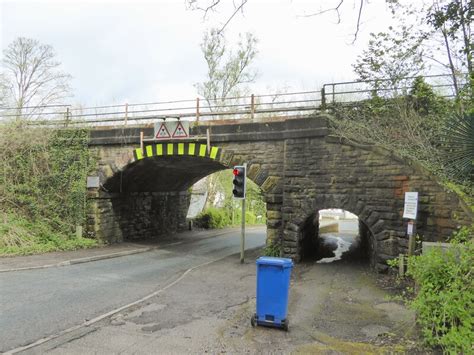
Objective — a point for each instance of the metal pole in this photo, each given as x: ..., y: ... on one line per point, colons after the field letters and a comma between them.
x: 242, y: 234
x: 323, y: 98
x: 411, y: 238
x: 242, y: 231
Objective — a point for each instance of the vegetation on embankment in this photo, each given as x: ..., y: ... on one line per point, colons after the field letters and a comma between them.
x: 422, y: 127
x: 442, y: 293
x: 444, y: 299
x: 42, y: 188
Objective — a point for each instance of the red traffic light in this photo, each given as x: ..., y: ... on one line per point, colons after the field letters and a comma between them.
x: 239, y: 172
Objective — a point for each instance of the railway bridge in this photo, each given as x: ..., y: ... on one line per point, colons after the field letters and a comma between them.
x: 300, y: 167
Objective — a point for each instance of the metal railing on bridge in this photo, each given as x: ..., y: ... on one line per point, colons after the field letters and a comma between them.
x: 244, y: 107
x: 352, y: 92
x: 232, y: 108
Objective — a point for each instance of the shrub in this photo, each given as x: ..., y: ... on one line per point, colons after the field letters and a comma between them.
x: 272, y: 249
x: 445, y: 298
x: 250, y: 218
x: 212, y: 218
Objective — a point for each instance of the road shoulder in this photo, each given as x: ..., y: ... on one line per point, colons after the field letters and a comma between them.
x: 334, y: 308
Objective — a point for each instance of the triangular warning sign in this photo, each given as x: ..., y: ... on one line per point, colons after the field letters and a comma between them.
x: 180, y: 132
x: 162, y: 132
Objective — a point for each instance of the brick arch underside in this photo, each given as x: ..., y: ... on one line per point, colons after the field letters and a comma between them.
x: 177, y: 166
x: 369, y: 182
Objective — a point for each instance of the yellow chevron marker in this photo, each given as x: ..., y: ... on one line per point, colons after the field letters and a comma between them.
x: 139, y: 153
x: 149, y: 150
x: 159, y: 149
x: 170, y: 149
x: 180, y: 148
x: 214, y: 151
x: 202, y: 150
x: 192, y: 148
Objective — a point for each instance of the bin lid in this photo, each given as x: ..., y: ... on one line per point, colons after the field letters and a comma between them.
x: 269, y: 260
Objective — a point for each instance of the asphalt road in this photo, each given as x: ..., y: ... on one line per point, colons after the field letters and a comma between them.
x: 38, y: 303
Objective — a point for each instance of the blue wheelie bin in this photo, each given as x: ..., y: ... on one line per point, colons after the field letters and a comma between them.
x: 273, y: 284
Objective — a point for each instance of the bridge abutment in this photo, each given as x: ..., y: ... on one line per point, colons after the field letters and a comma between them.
x: 118, y: 217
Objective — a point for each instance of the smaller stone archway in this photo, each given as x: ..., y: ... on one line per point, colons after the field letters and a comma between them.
x: 379, y: 240
x: 331, y: 238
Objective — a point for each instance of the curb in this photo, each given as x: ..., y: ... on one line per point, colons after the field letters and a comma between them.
x: 109, y: 256
x: 81, y: 260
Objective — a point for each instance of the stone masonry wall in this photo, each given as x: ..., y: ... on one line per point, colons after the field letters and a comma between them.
x: 148, y: 215
x: 324, y: 173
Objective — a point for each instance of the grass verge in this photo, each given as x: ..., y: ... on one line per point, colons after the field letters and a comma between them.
x: 19, y: 236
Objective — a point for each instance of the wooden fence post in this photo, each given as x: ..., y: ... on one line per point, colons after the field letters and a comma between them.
x: 126, y: 114
x: 252, y: 106
x: 67, y: 117
x: 197, y: 109
x: 401, y: 265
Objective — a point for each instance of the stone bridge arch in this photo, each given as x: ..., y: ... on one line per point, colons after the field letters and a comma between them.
x: 145, y: 193
x: 299, y: 166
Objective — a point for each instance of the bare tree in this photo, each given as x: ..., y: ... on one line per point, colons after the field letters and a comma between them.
x: 228, y: 71
x: 32, y: 76
x: 208, y: 6
x: 453, y: 20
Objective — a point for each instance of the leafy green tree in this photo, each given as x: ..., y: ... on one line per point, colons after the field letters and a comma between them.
x: 425, y: 101
x: 391, y: 57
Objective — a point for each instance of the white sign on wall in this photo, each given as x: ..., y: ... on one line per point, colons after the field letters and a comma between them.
x: 411, y: 205
x: 93, y: 182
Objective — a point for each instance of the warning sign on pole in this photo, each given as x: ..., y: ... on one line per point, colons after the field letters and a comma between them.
x: 162, y: 132
x: 180, y: 132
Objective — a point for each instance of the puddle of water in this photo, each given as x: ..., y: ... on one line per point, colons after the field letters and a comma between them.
x: 343, y: 244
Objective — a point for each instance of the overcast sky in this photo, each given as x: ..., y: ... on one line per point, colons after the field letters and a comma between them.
x: 142, y: 51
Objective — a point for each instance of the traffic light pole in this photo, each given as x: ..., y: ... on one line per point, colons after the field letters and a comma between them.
x: 242, y: 234
x: 242, y: 231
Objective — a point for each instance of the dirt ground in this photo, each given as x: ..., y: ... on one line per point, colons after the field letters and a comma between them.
x: 335, y: 308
